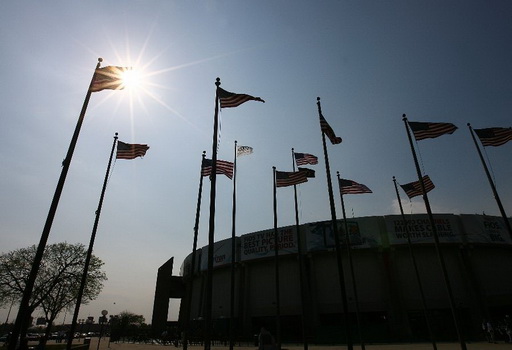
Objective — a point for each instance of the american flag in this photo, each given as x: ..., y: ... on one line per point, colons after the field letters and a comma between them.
x: 243, y: 150
x: 223, y: 167
x: 305, y: 158
x: 430, y: 130
x: 327, y: 130
x: 130, y: 151
x: 284, y: 178
x: 494, y: 136
x: 309, y: 172
x: 108, y: 78
x: 413, y: 189
x: 352, y: 187
x: 230, y: 99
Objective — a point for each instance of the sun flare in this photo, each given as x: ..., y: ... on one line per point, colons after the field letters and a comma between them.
x: 131, y: 79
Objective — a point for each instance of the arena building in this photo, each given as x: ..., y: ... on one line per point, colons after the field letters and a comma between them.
x: 385, y: 303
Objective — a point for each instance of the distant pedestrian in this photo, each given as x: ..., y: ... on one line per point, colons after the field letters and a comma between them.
x: 164, y: 337
x: 484, y: 330
x: 490, y: 331
x: 266, y: 340
x: 508, y: 328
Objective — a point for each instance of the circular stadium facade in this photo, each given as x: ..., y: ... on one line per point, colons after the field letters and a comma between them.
x: 383, y: 280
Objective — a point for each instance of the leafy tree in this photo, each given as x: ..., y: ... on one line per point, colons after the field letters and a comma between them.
x: 127, y: 325
x: 58, y: 281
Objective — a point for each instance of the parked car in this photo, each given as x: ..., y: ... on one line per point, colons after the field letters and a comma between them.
x: 33, y: 336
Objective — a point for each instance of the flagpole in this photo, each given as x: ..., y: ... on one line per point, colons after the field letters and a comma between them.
x: 415, y: 265
x: 493, y: 187
x: 351, y: 266
x: 233, y: 260
x: 186, y: 333
x: 276, y: 260
x: 436, y: 240
x: 301, y: 264
x: 339, y: 257
x: 23, y: 311
x: 89, y: 251
x: 211, y: 229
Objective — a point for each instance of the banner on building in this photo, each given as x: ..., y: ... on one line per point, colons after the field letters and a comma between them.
x: 363, y: 233
x: 261, y: 244
x: 485, y: 229
x: 221, y: 254
x: 420, y: 229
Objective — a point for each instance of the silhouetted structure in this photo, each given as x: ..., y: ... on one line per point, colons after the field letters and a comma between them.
x: 478, y: 255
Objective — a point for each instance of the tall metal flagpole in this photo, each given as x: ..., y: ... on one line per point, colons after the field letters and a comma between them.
x: 339, y: 256
x: 493, y: 187
x: 233, y: 260
x: 186, y: 328
x: 413, y: 259
x: 23, y: 311
x: 301, y: 265
x: 351, y: 266
x: 276, y: 259
x: 436, y: 240
x: 89, y: 251
x: 211, y: 229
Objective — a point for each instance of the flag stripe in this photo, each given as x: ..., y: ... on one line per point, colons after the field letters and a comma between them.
x: 413, y: 189
x: 309, y: 172
x: 230, y: 99
x: 223, y: 167
x: 107, y: 78
x: 430, y: 130
x: 130, y: 151
x: 328, y: 131
x: 284, y: 178
x: 352, y: 187
x: 494, y: 136
x: 305, y: 158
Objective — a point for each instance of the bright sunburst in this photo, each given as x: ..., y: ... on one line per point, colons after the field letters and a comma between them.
x: 132, y: 79
x: 135, y: 77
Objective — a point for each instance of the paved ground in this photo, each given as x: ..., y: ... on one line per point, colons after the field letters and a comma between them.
x: 104, y: 345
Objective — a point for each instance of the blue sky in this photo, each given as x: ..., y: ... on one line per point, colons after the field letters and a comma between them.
x: 369, y: 61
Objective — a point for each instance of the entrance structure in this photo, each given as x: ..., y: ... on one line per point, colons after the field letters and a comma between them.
x: 167, y: 287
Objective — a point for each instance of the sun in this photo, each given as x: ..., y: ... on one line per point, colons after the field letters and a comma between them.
x: 131, y: 79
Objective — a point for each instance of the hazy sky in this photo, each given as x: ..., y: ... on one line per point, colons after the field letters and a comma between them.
x: 369, y: 61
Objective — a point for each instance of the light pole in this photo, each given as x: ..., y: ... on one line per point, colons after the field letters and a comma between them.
x: 103, y: 320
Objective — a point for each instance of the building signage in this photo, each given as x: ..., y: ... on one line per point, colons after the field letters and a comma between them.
x: 221, y: 254
x: 420, y: 229
x: 485, y: 229
x: 261, y: 244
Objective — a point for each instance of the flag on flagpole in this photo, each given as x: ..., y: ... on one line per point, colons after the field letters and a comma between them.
x: 352, y: 187
x: 108, y: 77
x: 327, y: 130
x: 413, y: 189
x: 223, y: 167
x: 309, y: 172
x: 243, y: 150
x: 430, y: 130
x: 130, y: 150
x: 285, y: 178
x: 494, y: 136
x: 305, y: 158
x: 230, y: 99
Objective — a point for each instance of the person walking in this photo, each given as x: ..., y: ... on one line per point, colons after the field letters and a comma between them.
x: 490, y: 331
x: 265, y: 340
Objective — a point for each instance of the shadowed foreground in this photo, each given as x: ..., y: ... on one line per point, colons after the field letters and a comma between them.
x: 104, y: 345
